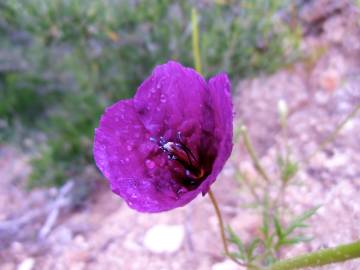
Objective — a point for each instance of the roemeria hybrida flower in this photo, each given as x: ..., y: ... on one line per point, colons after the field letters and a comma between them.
x: 166, y: 145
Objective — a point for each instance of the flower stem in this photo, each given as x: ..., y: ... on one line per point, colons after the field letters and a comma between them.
x: 255, y: 160
x: 326, y: 256
x: 222, y: 228
x: 195, y: 40
x: 197, y: 61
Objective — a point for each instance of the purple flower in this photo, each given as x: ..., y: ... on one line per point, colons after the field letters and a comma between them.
x: 166, y: 145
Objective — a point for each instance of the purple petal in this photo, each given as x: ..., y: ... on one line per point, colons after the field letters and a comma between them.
x: 131, y: 162
x: 220, y: 99
x: 172, y: 100
x: 116, y: 147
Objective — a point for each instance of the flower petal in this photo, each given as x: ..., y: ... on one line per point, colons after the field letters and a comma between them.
x: 136, y: 169
x: 220, y: 99
x: 117, y: 150
x: 172, y: 100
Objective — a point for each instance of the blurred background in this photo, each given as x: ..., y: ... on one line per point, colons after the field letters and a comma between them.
x: 63, y: 61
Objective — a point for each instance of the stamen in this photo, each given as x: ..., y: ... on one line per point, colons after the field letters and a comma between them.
x: 179, y: 152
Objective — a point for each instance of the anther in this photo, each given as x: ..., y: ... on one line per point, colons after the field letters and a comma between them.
x: 179, y: 152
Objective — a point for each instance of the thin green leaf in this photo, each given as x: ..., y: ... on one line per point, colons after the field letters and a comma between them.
x: 265, y: 229
x: 233, y: 238
x: 251, y: 248
x: 295, y: 240
x: 298, y: 222
x: 289, y: 170
x: 278, y: 228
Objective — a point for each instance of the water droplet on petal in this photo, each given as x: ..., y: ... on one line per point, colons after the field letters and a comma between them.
x: 181, y: 191
x: 150, y: 164
x: 162, y: 99
x: 129, y: 148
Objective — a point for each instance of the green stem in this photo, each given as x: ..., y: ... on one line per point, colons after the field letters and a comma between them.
x: 250, y: 186
x: 255, y: 160
x: 326, y: 256
x: 195, y: 40
x: 197, y: 59
x: 222, y: 229
x: 334, y: 134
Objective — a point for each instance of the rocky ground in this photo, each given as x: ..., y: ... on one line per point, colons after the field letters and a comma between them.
x: 56, y: 229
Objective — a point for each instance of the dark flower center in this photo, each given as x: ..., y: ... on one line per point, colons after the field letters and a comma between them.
x: 180, y: 153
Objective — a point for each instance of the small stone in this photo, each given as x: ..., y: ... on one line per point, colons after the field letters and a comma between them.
x: 27, y: 264
x: 164, y: 238
x: 81, y: 241
x: 338, y: 160
x: 330, y: 80
x: 17, y: 247
x: 78, y: 256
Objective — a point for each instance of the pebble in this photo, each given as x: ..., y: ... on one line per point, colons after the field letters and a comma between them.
x: 164, y: 238
x: 27, y: 264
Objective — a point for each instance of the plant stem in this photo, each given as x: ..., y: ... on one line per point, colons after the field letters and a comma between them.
x: 195, y: 40
x: 326, y: 256
x: 222, y: 228
x: 255, y: 160
x: 333, y: 134
x: 197, y: 60
x: 221, y: 222
x: 250, y: 186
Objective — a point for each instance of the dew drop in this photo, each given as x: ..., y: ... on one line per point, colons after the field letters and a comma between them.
x: 150, y: 164
x: 129, y: 148
x: 180, y: 191
x: 162, y: 99
x: 127, y: 159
